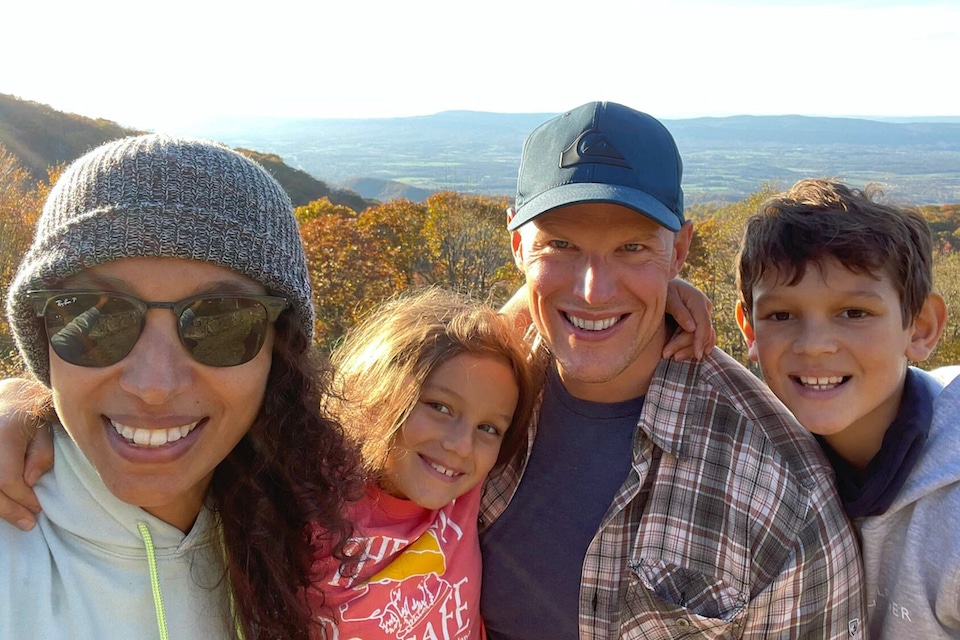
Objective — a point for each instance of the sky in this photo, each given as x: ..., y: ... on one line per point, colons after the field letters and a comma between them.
x: 162, y: 64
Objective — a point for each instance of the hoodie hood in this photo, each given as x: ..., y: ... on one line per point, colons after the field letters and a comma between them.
x: 75, y: 499
x: 939, y: 464
x: 95, y: 567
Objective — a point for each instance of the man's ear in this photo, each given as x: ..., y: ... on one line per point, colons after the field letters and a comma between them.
x: 515, y: 240
x: 681, y: 246
x: 747, y: 330
x: 927, y: 328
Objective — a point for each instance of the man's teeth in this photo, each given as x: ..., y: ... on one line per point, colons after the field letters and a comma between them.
x: 152, y: 437
x: 822, y: 383
x: 593, y: 325
x: 450, y: 473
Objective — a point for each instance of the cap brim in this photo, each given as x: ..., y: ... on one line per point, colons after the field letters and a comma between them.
x: 577, y: 193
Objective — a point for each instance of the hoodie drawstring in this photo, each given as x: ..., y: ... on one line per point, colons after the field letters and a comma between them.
x: 238, y: 626
x: 154, y: 580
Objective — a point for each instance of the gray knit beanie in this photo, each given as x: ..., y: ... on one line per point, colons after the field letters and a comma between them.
x: 158, y: 196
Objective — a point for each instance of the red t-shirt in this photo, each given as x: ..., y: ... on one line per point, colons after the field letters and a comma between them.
x: 418, y: 577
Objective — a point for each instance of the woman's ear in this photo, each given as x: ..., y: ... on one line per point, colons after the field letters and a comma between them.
x: 927, y: 328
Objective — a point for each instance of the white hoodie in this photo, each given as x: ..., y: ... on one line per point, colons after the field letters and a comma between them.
x: 83, y: 571
x: 911, y: 553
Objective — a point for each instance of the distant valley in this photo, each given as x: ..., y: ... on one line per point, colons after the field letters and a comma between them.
x: 725, y: 159
x: 357, y: 162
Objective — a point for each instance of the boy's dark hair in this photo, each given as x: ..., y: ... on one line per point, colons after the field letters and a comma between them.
x: 822, y: 218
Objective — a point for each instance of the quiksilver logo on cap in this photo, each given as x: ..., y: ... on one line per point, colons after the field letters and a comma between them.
x: 592, y: 147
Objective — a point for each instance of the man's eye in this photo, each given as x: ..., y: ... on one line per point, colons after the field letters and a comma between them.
x: 632, y: 246
x: 559, y: 244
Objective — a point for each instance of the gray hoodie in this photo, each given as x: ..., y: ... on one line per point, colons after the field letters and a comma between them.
x: 912, y: 551
x: 83, y: 571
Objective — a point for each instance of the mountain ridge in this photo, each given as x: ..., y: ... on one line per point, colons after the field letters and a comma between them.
x: 725, y: 158
x: 917, y: 160
x: 42, y: 138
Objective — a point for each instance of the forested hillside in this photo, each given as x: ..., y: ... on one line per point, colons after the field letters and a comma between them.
x: 41, y: 137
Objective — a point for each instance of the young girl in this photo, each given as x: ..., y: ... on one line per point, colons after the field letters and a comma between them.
x: 436, y: 389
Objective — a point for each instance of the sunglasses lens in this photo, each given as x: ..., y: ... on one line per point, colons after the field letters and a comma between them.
x: 92, y: 330
x: 223, y: 332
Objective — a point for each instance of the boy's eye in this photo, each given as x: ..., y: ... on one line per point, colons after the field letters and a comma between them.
x: 855, y: 314
x: 559, y: 244
x: 779, y: 316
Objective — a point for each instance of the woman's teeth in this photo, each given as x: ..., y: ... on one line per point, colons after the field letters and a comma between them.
x: 152, y: 437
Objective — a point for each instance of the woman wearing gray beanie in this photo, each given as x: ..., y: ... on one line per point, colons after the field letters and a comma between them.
x: 166, y: 305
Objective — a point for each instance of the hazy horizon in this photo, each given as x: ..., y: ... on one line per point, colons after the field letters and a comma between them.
x: 154, y: 66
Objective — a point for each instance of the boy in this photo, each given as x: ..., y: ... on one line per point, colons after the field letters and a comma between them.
x: 835, y: 299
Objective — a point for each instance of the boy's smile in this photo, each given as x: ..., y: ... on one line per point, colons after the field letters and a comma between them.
x: 834, y: 349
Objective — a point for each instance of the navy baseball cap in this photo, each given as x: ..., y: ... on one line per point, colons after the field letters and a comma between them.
x: 601, y: 152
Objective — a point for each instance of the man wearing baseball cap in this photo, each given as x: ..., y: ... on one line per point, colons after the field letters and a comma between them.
x: 655, y: 499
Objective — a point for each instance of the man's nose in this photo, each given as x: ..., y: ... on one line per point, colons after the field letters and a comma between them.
x: 596, y: 281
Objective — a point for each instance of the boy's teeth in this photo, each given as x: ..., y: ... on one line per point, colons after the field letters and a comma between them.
x: 152, y: 437
x: 593, y: 325
x: 821, y: 383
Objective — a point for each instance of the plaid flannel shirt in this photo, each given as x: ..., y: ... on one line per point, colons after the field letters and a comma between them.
x: 728, y: 525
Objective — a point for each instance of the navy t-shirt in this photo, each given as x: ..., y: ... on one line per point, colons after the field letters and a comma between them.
x: 533, y: 554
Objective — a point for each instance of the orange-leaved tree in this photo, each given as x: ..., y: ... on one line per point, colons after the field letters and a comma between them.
x: 470, y: 246
x: 350, y: 268
x: 452, y: 240
x: 21, y: 200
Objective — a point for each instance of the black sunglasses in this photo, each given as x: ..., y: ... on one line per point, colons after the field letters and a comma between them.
x: 100, y: 328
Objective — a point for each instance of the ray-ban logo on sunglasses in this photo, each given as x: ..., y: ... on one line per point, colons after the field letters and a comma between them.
x: 63, y: 302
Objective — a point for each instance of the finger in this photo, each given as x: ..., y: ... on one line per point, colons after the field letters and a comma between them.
x: 18, y: 502
x: 16, y: 514
x: 704, y: 341
x: 680, y: 346
x: 17, y: 499
x: 679, y: 307
x: 685, y: 319
x: 39, y: 457
x: 712, y: 342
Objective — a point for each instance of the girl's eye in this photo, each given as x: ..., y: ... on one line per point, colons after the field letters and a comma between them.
x: 436, y: 406
x: 489, y: 428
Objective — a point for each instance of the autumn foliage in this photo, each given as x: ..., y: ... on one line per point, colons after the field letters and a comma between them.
x: 459, y: 241
x: 356, y: 260
x: 21, y: 199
